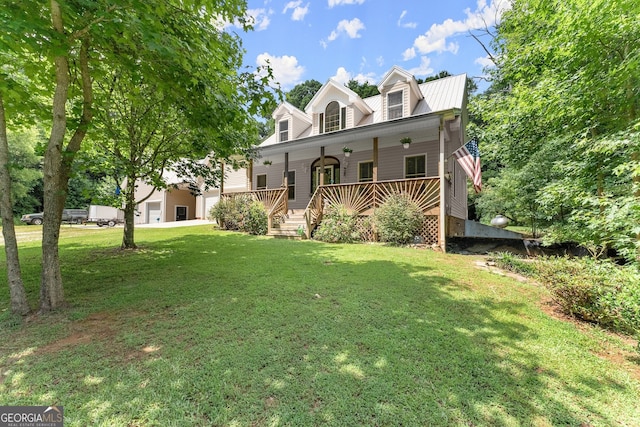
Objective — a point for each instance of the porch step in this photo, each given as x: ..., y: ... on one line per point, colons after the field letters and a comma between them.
x: 289, y: 229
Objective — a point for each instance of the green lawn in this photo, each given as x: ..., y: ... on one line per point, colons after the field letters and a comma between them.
x: 202, y: 327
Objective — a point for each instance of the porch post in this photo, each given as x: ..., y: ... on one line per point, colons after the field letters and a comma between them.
x: 285, y: 178
x: 375, y: 159
x: 321, y: 166
x: 250, y: 176
x: 443, y: 212
x: 285, y: 181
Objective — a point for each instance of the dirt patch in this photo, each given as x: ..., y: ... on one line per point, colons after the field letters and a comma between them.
x: 96, y: 327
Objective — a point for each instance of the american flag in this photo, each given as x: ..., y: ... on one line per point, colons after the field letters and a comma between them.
x: 469, y: 158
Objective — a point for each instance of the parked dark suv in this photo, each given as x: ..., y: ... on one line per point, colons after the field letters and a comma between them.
x: 76, y: 216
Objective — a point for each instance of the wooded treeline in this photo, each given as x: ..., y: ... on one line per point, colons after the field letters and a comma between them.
x: 559, y: 126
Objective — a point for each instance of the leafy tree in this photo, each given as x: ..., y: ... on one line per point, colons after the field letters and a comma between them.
x: 364, y: 90
x: 565, y: 92
x: 25, y: 170
x: 144, y: 132
x: 302, y: 93
x: 57, y: 49
x: 440, y: 75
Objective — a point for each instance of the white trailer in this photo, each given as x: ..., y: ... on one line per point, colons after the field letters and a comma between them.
x: 105, y: 215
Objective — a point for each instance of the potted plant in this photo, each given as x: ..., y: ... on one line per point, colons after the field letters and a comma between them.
x: 267, y: 163
x: 347, y: 151
x: 405, y: 142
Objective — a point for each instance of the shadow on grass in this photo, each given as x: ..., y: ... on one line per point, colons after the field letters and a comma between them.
x: 228, y: 329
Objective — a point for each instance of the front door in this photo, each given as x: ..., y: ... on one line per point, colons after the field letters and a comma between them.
x: 331, y: 172
x: 181, y: 213
x: 331, y: 176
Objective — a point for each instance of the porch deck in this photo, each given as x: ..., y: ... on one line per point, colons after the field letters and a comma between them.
x: 360, y: 199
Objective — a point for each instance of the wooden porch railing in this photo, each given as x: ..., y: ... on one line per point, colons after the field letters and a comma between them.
x: 363, y: 198
x: 275, y: 201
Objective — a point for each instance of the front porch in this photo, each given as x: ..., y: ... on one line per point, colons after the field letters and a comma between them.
x: 361, y: 199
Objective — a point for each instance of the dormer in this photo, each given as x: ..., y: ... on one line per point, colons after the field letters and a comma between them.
x: 335, y: 107
x: 290, y: 122
x: 400, y: 94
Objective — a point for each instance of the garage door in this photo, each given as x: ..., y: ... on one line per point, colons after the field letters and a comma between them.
x: 153, y: 213
x: 209, y: 202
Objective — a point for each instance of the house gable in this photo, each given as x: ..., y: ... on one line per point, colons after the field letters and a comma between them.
x: 291, y: 123
x: 330, y: 97
x: 400, y: 93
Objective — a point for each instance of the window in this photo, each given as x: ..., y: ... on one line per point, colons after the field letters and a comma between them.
x: 261, y: 182
x: 321, y: 123
x: 415, y: 166
x: 332, y: 117
x: 365, y: 171
x: 284, y: 130
x: 291, y: 182
x: 394, y: 105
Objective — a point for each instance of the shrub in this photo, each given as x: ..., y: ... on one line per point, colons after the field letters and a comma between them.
x: 398, y: 219
x: 596, y: 291
x: 240, y: 213
x: 513, y: 263
x: 338, y: 226
x: 255, y: 219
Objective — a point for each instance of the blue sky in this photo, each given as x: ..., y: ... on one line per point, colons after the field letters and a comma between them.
x: 363, y: 39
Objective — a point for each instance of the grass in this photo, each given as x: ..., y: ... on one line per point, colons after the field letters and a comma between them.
x: 202, y: 327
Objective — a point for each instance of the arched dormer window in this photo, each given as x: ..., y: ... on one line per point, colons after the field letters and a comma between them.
x: 334, y: 117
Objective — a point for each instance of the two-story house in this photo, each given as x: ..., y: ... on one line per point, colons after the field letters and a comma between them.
x: 343, y: 149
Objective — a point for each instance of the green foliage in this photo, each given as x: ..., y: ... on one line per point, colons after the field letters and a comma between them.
x: 595, y: 291
x: 364, y: 90
x: 25, y: 171
x: 302, y: 93
x: 559, y: 127
x: 255, y: 219
x: 338, y: 226
x: 398, y: 220
x: 514, y: 263
x: 240, y: 213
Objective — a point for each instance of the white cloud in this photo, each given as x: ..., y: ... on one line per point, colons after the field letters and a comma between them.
x: 424, y: 69
x: 380, y: 61
x: 435, y: 39
x: 299, y: 12
x: 259, y: 18
x: 343, y: 76
x: 343, y: 2
x: 286, y: 69
x: 409, y: 54
x: 406, y: 24
x: 351, y: 28
x: 370, y: 78
x: 484, y: 62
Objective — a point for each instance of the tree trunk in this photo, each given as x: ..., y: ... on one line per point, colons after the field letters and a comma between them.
x: 19, y: 304
x: 128, y: 241
x: 57, y: 164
